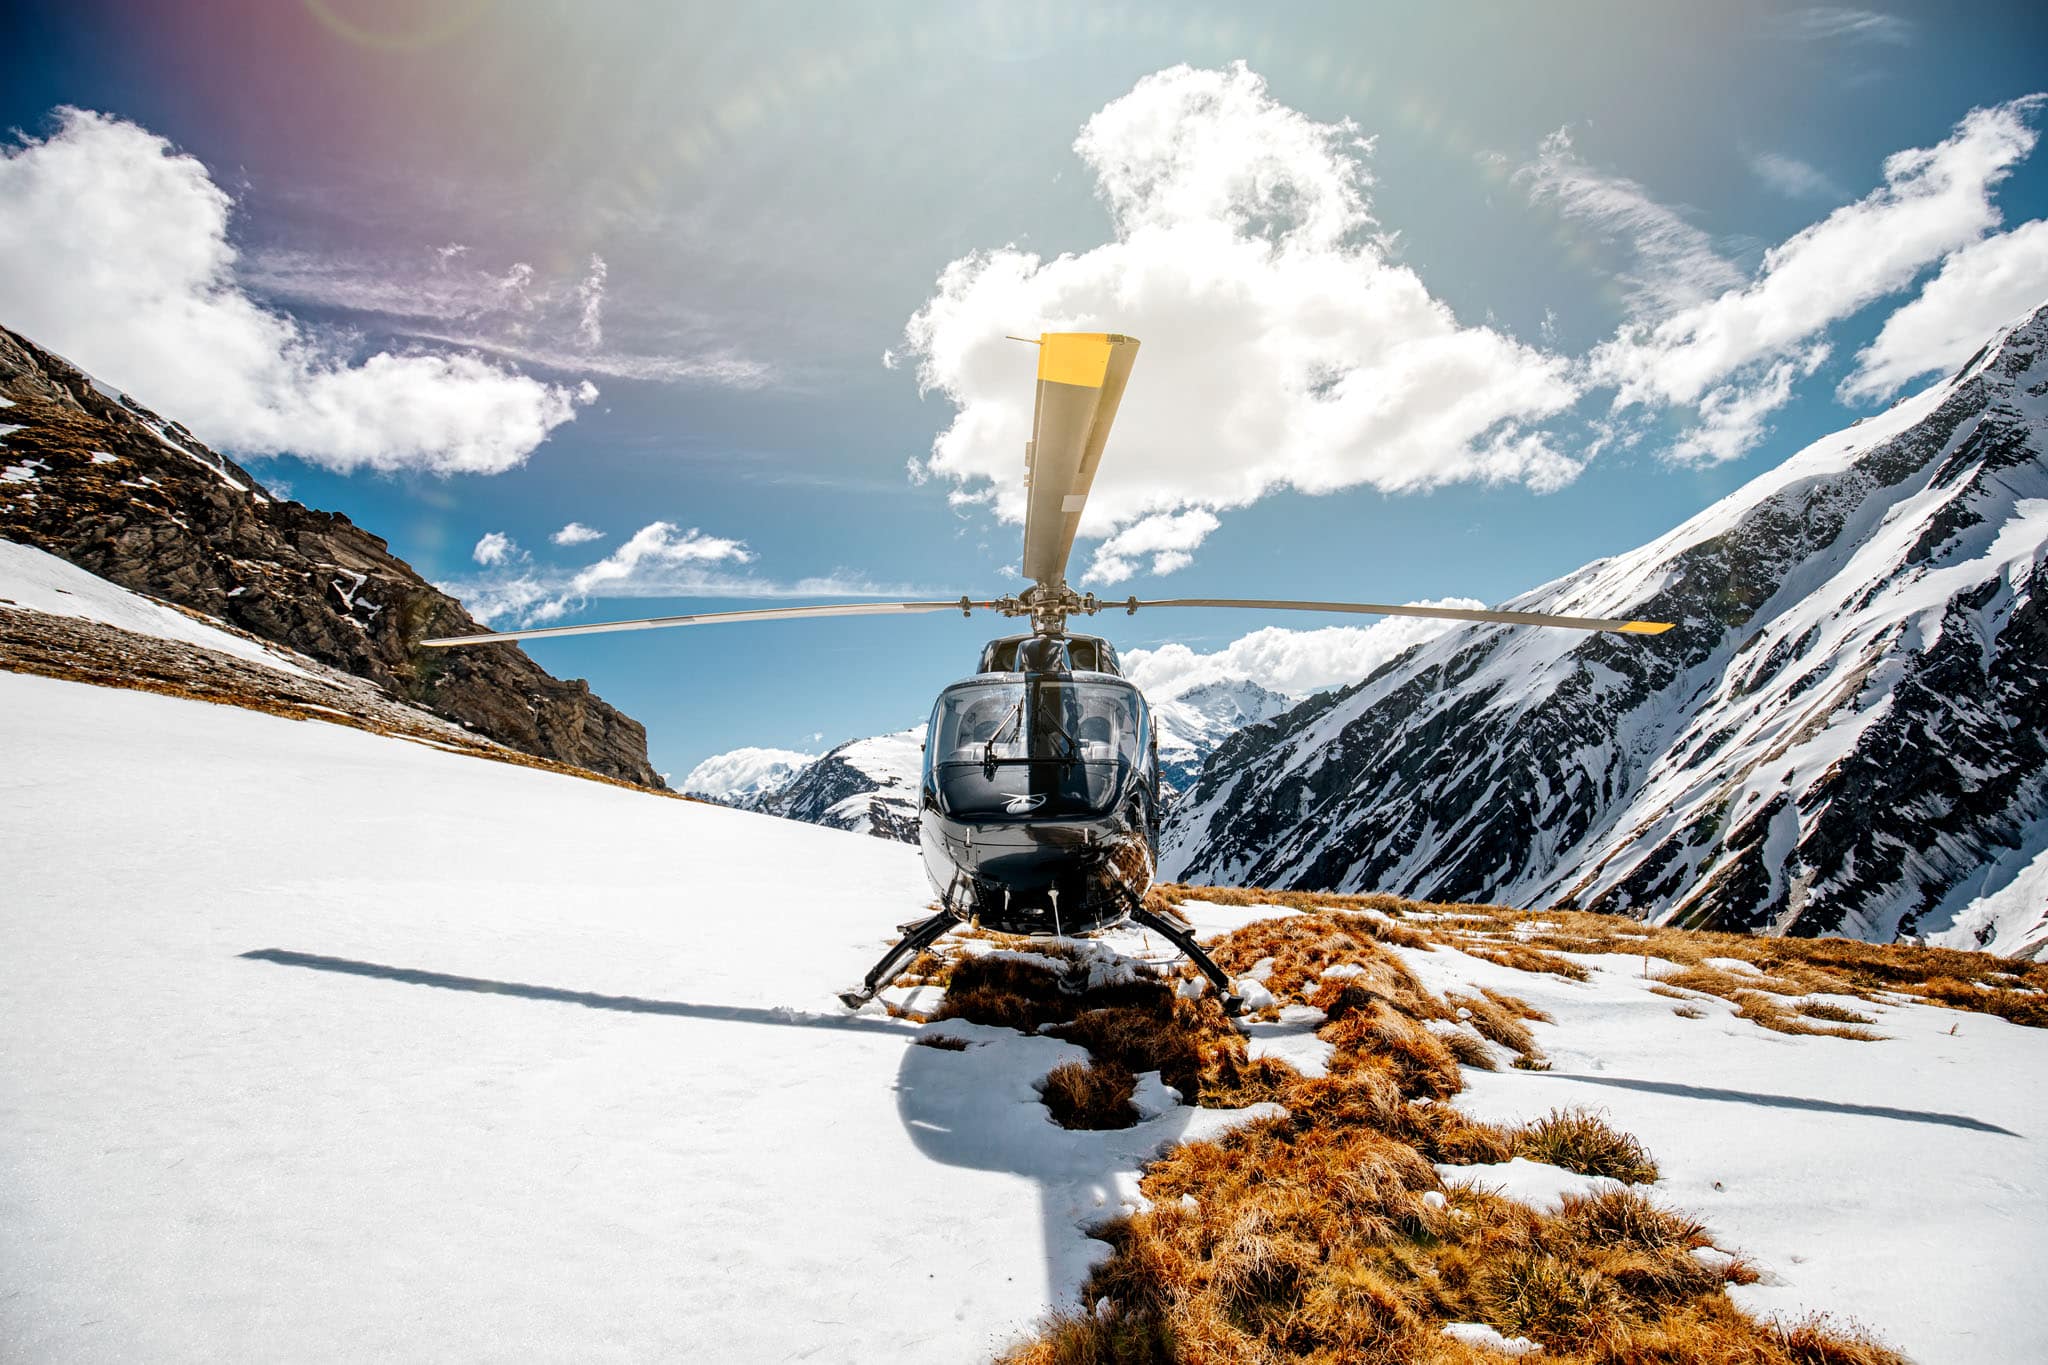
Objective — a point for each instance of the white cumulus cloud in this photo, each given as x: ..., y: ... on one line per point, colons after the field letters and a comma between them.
x: 114, y: 251
x: 576, y: 533
x: 495, y: 548
x: 1295, y: 662
x: 1282, y: 348
x: 1983, y: 285
x: 1170, y: 538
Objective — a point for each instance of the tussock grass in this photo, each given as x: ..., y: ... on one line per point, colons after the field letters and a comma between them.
x: 1522, y: 958
x: 1837, y: 1014
x: 1533, y: 940
x: 1091, y: 1095
x: 1580, y: 1140
x: 1497, y: 1019
x: 1765, y: 1012
x: 1324, y: 1233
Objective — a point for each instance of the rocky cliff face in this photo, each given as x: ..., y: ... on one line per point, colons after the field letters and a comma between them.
x: 94, y: 478
x: 1847, y: 732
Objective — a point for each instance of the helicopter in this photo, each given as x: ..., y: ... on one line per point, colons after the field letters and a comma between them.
x: 1040, y: 796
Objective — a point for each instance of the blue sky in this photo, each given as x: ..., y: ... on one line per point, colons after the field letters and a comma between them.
x: 1434, y: 304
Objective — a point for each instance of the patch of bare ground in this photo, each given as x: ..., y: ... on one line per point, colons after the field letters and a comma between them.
x: 1326, y: 1234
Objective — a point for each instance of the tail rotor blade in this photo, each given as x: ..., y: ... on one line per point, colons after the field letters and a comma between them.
x: 1081, y: 378
x: 1618, y: 625
x: 710, y: 618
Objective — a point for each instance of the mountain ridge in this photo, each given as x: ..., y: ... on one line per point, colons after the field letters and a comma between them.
x: 96, y: 479
x: 1842, y: 622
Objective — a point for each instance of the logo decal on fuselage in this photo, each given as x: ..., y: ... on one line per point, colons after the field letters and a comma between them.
x: 1023, y: 805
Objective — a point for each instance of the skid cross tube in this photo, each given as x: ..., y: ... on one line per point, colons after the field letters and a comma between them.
x: 1185, y: 941
x: 919, y: 937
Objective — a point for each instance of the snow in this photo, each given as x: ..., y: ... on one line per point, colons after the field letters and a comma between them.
x: 1766, y: 715
x: 1292, y: 1039
x: 1902, y: 1184
x: 31, y: 578
x: 315, y: 1044
x: 104, y: 457
x: 1480, y: 1335
x: 1531, y: 1182
x: 741, y: 773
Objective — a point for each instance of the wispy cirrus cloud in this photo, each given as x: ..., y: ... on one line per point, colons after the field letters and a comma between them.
x: 1670, y: 263
x: 514, y: 312
x: 1791, y: 177
x: 1735, y: 357
x: 661, y: 559
x: 1838, y: 23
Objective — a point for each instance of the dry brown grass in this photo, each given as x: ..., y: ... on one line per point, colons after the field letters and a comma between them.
x: 1094, y: 1094
x: 1325, y: 1234
x: 1521, y: 957
x: 1836, y: 1014
x: 1533, y: 941
x: 48, y: 646
x: 1580, y: 1140
x: 1765, y: 1012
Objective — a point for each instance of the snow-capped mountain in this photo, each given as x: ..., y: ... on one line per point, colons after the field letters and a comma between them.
x: 1191, y: 724
x: 1847, y: 732
x: 868, y: 786
x: 740, y: 776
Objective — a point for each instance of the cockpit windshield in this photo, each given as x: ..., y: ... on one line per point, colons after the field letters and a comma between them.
x: 1046, y: 746
x: 1045, y: 720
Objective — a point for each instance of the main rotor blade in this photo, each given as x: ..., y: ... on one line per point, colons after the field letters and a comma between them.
x: 1514, y: 618
x: 1081, y: 378
x: 709, y: 618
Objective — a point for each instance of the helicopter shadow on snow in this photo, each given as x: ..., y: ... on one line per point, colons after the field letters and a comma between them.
x: 977, y: 1108
x: 980, y: 1108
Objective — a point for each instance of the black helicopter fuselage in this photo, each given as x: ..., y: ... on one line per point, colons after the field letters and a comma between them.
x: 1040, y: 790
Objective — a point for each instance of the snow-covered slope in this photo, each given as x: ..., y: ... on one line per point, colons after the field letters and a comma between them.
x: 738, y: 776
x: 1897, y: 1184
x: 42, y: 582
x: 321, y: 1045
x: 1847, y: 731
x: 868, y: 786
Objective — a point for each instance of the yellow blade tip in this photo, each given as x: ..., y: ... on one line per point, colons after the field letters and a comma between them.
x: 1646, y: 628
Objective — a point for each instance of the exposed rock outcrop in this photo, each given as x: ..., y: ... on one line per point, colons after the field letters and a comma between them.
x: 108, y: 485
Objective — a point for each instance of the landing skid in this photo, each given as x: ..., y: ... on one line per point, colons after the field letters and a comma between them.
x: 916, y: 938
x: 1180, y: 937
